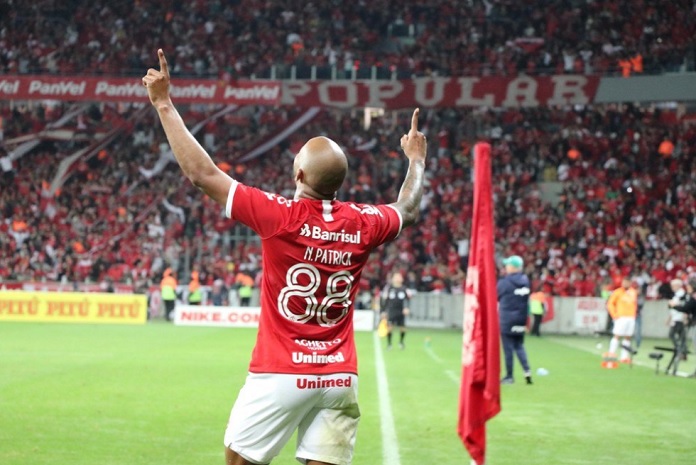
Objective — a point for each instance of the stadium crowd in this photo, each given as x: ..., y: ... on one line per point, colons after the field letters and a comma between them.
x: 434, y: 37
x: 626, y: 205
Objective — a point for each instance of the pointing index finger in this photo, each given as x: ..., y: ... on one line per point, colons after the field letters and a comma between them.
x: 163, y: 62
x: 414, y: 120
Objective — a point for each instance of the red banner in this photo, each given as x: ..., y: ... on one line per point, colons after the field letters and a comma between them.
x: 479, y: 395
x: 116, y: 89
x: 493, y: 91
x: 525, y: 91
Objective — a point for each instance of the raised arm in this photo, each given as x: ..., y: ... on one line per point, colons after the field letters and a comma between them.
x: 192, y: 158
x: 415, y: 148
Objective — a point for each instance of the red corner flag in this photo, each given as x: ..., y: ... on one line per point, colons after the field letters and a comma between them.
x: 479, y: 395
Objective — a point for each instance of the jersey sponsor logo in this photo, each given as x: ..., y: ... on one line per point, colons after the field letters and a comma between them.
x: 315, y: 232
x: 521, y: 291
x: 280, y: 200
x: 321, y: 383
x: 366, y: 209
x: 317, y: 345
x: 317, y: 359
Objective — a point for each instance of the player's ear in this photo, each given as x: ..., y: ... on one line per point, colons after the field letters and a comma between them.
x: 299, y: 175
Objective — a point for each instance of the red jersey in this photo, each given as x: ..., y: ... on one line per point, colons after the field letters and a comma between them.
x: 313, y: 254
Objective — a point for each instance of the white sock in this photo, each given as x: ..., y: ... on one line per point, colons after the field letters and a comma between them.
x: 613, y: 345
x: 624, y: 352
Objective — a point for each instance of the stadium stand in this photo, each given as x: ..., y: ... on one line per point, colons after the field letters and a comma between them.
x: 93, y: 195
x: 437, y: 37
x: 624, y: 206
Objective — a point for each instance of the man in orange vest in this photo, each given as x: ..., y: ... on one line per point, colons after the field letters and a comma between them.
x: 623, y: 306
x: 245, y: 285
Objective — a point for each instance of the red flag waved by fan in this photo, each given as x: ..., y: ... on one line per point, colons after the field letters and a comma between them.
x: 479, y: 396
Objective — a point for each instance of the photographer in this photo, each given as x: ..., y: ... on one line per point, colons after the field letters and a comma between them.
x: 689, y: 309
x: 678, y: 319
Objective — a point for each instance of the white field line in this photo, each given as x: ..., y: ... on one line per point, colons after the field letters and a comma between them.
x: 390, y: 443
x: 453, y: 376
x: 449, y: 373
x: 431, y: 353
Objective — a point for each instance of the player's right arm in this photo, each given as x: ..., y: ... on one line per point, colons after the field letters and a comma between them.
x: 192, y: 158
x: 415, y: 148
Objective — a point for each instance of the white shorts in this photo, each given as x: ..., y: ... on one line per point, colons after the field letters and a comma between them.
x: 270, y: 407
x: 624, y: 326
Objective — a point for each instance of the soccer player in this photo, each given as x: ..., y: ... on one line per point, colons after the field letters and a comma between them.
x: 622, y: 306
x: 303, y: 371
x: 395, y: 299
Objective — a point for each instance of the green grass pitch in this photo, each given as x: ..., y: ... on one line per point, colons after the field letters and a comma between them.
x: 159, y: 394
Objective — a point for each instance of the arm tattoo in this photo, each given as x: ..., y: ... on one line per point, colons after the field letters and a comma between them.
x: 411, y: 192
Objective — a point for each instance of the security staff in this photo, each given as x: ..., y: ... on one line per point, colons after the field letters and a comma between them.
x: 195, y: 295
x: 537, y: 308
x: 168, y: 290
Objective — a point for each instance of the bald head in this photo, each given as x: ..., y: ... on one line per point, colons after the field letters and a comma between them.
x: 320, y: 168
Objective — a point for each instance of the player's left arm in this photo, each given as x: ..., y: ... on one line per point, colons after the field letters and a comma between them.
x: 415, y: 147
x: 192, y: 158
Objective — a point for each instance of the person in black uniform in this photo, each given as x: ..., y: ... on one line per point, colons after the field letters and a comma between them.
x: 394, y: 305
x: 513, y: 305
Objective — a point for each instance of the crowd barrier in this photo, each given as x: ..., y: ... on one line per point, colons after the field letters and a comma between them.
x: 246, y: 317
x: 567, y: 315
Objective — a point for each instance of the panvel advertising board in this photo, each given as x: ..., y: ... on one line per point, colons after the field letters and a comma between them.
x: 73, y: 307
x: 245, y: 317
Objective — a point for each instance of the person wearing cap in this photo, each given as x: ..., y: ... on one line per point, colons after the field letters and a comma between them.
x: 513, y: 306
